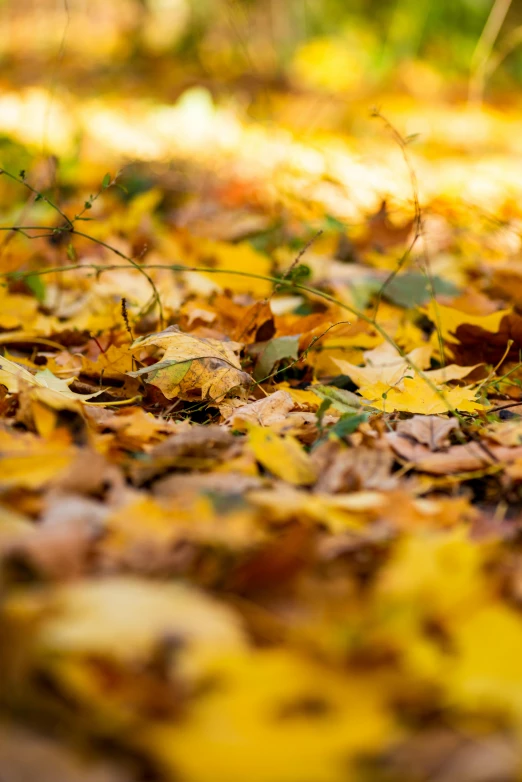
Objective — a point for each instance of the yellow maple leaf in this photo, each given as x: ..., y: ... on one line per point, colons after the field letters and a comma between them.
x: 488, y: 675
x: 388, y: 382
x: 414, y: 395
x: 30, y: 462
x: 384, y: 364
x: 111, y: 364
x: 303, y: 398
x: 17, y: 310
x: 338, y: 512
x: 448, y: 319
x: 274, y: 716
x: 192, y: 366
x: 282, y: 456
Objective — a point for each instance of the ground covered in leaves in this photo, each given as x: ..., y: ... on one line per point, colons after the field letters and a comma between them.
x: 261, y: 443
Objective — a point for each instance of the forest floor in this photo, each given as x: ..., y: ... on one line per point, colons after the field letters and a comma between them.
x: 261, y: 439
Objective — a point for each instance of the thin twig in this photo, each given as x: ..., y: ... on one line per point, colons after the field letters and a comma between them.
x: 70, y: 228
x: 25, y: 183
x: 418, y: 232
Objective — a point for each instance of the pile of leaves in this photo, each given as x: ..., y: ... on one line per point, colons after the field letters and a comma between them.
x: 260, y: 489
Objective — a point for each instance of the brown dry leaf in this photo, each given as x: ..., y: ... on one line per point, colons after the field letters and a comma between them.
x: 475, y: 341
x: 490, y: 759
x: 192, y: 367
x: 430, y: 430
x: 256, y: 325
x: 225, y: 483
x: 132, y: 426
x: 26, y: 756
x: 507, y: 433
x: 302, y: 426
x: 59, y: 546
x: 381, y: 233
x: 342, y: 469
x: 457, y: 458
x: 271, y: 410
x: 197, y: 448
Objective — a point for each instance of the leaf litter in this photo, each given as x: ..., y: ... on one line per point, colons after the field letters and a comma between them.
x: 255, y: 522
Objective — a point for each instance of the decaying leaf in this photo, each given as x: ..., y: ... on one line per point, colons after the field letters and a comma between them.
x: 25, y: 755
x: 192, y: 367
x: 457, y: 458
x: 192, y: 448
x: 430, y: 430
x: 271, y: 410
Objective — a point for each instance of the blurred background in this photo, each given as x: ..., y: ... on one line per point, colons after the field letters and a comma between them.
x: 273, y: 91
x: 155, y: 47
x: 255, y: 51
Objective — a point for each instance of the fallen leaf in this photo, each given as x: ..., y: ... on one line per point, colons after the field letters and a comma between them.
x: 282, y: 456
x: 430, y: 430
x: 457, y: 458
x: 414, y: 289
x: 29, y: 462
x: 11, y: 373
x: 195, y: 447
x: 276, y: 350
x: 271, y: 410
x: 299, y: 722
x: 448, y: 319
x: 192, y: 366
x: 342, y: 469
x: 110, y: 365
x: 339, y: 398
x: 385, y: 365
x: 415, y: 396
x: 98, y: 617
x: 25, y: 755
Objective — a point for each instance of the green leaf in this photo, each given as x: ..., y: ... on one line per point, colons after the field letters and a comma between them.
x: 35, y: 283
x: 348, y: 424
x: 413, y: 289
x: 87, y: 205
x: 340, y: 398
x: 331, y: 223
x: 276, y: 350
x: 300, y: 273
x: 177, y: 370
x: 321, y: 411
x: 106, y: 181
x: 71, y: 253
